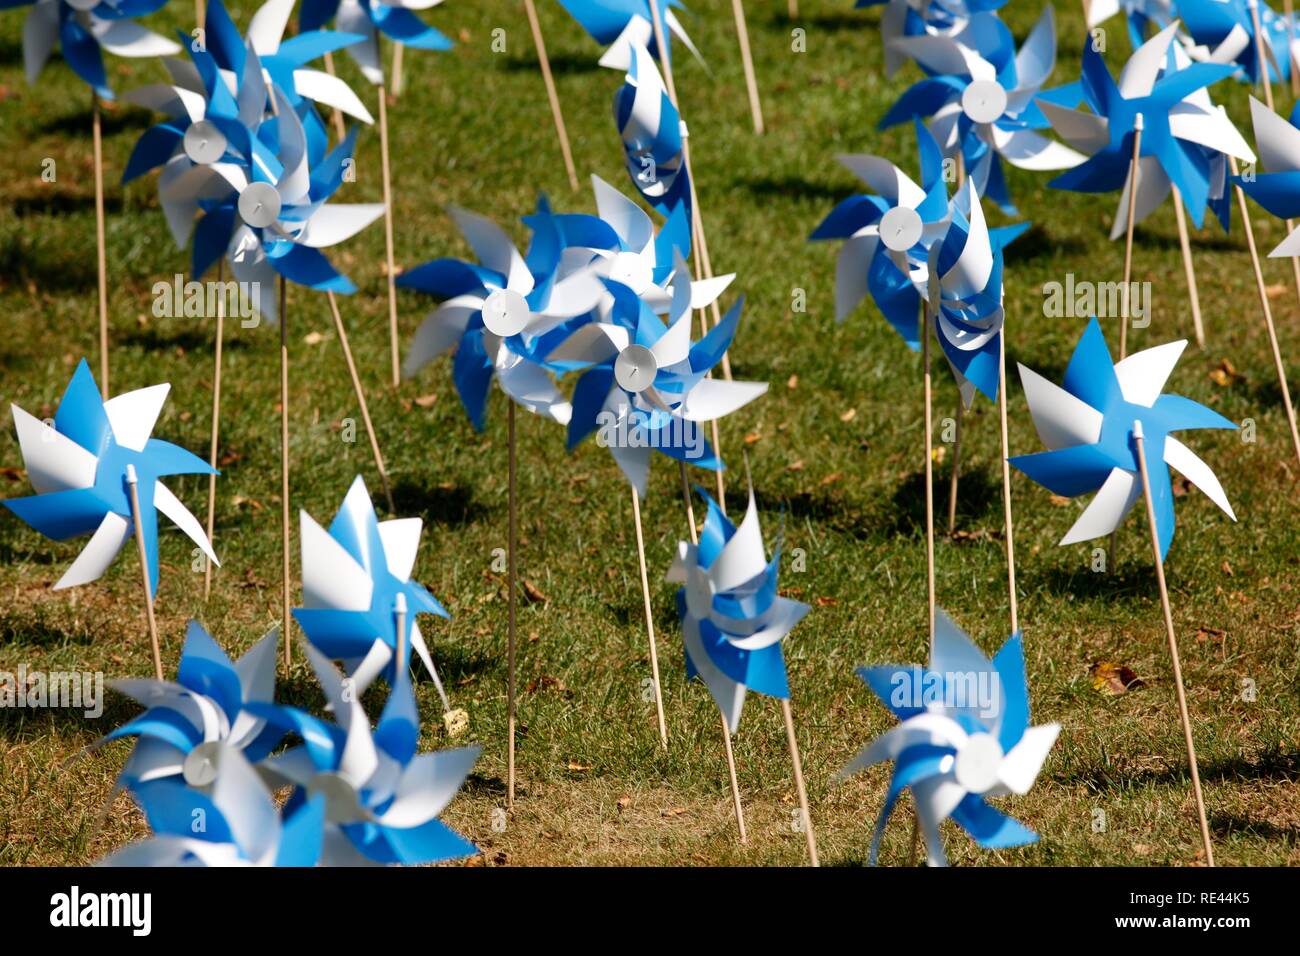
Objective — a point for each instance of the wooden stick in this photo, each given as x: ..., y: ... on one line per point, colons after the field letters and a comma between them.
x: 1267, y: 310
x: 747, y: 61
x: 551, y: 93
x: 929, y: 469
x: 1128, y: 232
x: 511, y: 546
x: 1173, y: 643
x: 726, y: 731
x: 287, y: 618
x: 1006, y: 482
x: 1193, y: 297
x: 339, y: 129
x: 1261, y: 61
x: 798, y: 781
x: 397, y: 69
x: 649, y: 617
x: 794, y: 8
x: 131, y: 481
x: 216, y: 423
x: 956, y: 466
x: 1288, y: 8
x: 388, y: 237
x: 361, y: 400
x: 101, y: 255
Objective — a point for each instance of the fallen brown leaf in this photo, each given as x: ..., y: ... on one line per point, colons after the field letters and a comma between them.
x: 795, y: 465
x: 1114, y: 679
x: 792, y: 382
x: 849, y: 415
x: 313, y: 338
x: 426, y: 401
x: 830, y: 479
x: 578, y: 767
x: 532, y: 593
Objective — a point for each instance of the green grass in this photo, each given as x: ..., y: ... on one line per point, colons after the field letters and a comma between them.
x: 473, y: 127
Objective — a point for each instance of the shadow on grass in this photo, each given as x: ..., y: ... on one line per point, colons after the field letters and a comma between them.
x: 1226, y: 824
x: 77, y: 125
x: 979, y: 496
x: 795, y: 187
x: 18, y: 724
x: 1272, y: 764
x: 1135, y: 580
x: 777, y: 17
x: 192, y: 335
x: 20, y: 267
x: 562, y: 64
x: 816, y: 506
x: 1038, y: 243
x: 62, y: 202
x: 446, y: 505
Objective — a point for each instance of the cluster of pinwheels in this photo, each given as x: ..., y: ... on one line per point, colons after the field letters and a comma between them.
x: 246, y: 168
x: 207, y: 750
x: 585, y: 298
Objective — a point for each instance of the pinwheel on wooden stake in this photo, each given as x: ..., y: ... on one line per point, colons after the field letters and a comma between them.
x: 355, y: 577
x: 1097, y: 430
x: 623, y: 25
x: 84, y: 31
x: 501, y: 316
x: 382, y: 798
x: 1144, y: 136
x: 96, y: 471
x: 963, y: 736
x: 211, y: 710
x: 373, y: 20
x: 733, y: 622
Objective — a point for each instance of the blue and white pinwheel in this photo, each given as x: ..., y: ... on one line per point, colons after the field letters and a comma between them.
x: 355, y: 579
x: 1223, y: 31
x: 888, y: 234
x: 1178, y: 134
x: 214, y: 707
x: 982, y: 104
x: 902, y: 18
x: 85, y: 29
x: 241, y: 825
x: 502, y: 315
x: 382, y: 799
x: 1279, y: 151
x: 733, y: 620
x: 651, y: 130
x: 624, y: 24
x: 1138, y: 14
x: 370, y: 18
x: 645, y: 385
x: 1088, y: 429
x: 80, y: 468
x: 963, y: 737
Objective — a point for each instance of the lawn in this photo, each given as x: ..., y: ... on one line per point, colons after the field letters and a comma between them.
x: 834, y: 449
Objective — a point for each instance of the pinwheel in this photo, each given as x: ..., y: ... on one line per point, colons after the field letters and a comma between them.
x: 1242, y: 33
x: 502, y: 316
x: 1144, y: 137
x: 1138, y: 15
x: 372, y: 19
x: 964, y: 736
x: 213, y: 709
x: 97, y: 472
x: 359, y: 601
x: 84, y: 29
x: 651, y: 129
x: 232, y: 822
x: 1097, y: 430
x: 623, y: 25
x: 382, y: 799
x: 643, y: 259
x: 1279, y: 147
x: 902, y: 18
x: 983, y: 105
x: 733, y: 622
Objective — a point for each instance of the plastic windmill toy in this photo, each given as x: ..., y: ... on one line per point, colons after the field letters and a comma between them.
x: 382, y: 798
x: 1088, y: 427
x: 242, y: 826
x: 98, y: 472
x: 359, y: 601
x: 980, y: 102
x: 370, y: 20
x: 954, y: 752
x: 1244, y: 33
x: 213, y: 708
x: 1141, y: 16
x: 622, y: 25
x: 733, y: 621
x: 651, y: 129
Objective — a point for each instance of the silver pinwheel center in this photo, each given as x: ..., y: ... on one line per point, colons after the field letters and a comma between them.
x: 505, y: 313
x: 259, y: 205
x: 341, y: 804
x: 900, y: 228
x: 632, y: 271
x: 635, y: 368
x: 978, y: 762
x: 203, y: 763
x: 984, y: 101
x: 204, y: 143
